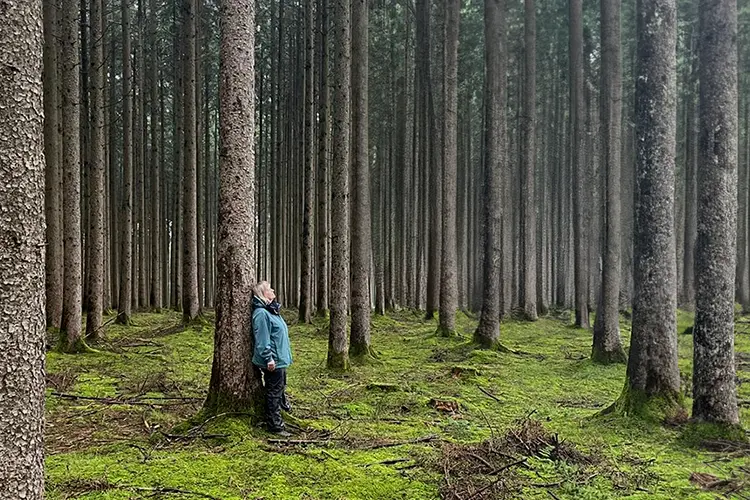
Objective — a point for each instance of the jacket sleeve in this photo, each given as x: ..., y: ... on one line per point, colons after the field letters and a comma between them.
x: 262, y: 334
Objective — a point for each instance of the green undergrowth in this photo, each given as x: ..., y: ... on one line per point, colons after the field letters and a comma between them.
x: 124, y: 421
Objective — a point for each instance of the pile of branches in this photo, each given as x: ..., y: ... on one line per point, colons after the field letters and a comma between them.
x: 492, y: 468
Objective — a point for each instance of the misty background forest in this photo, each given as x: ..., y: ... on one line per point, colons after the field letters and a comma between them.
x: 509, y: 237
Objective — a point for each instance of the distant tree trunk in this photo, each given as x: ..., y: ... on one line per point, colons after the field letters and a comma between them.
x: 577, y: 117
x: 96, y: 177
x: 126, y: 251
x: 338, y: 357
x: 140, y: 157
x: 322, y: 173
x: 155, y: 163
x: 70, y: 337
x: 714, y: 386
x: 528, y: 166
x: 652, y: 389
x: 306, y: 288
x: 687, y: 300
x: 53, y: 194
x: 607, y: 346
x: 488, y: 331
x: 235, y: 385
x: 359, y: 347
x: 190, y: 303
x: 448, y: 278
x: 22, y: 242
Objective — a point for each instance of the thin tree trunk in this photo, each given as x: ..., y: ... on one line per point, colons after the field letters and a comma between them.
x: 322, y: 173
x: 155, y: 163
x: 305, y: 306
x: 528, y: 166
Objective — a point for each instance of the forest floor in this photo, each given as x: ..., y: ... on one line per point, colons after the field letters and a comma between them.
x: 432, y: 418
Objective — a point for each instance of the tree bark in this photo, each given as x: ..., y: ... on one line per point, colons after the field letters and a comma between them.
x: 448, y: 279
x: 155, y: 163
x: 652, y: 389
x: 607, y: 346
x: 70, y: 337
x: 235, y: 385
x: 338, y: 357
x: 488, y: 331
x: 96, y: 177
x: 322, y: 167
x: 714, y: 387
x: 22, y: 242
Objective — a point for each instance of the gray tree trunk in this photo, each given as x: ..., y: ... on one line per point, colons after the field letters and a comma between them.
x: 607, y: 346
x: 124, y: 310
x: 322, y: 173
x: 96, y: 176
x: 22, y: 242
x: 528, y: 166
x: 155, y: 164
x: 53, y: 183
x: 448, y: 278
x: 190, y: 303
x: 488, y: 330
x: 235, y: 385
x: 652, y: 388
x: 687, y: 300
x: 338, y: 356
x: 359, y: 346
x: 70, y: 337
x: 714, y: 387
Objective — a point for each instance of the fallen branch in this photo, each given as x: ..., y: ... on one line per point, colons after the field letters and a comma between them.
x: 424, y: 439
x: 490, y: 394
x: 494, y: 473
x: 160, y: 489
x: 299, y: 441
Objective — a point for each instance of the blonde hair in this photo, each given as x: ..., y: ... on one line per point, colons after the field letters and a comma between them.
x: 260, y: 289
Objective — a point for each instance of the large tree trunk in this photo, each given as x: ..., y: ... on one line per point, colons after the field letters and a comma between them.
x: 96, y: 177
x: 235, y: 385
x: 607, y: 347
x: 528, y: 166
x: 714, y: 388
x: 652, y: 388
x: 577, y: 117
x: 126, y: 251
x: 488, y: 331
x: 22, y: 241
x: 448, y: 279
x: 70, y: 337
x: 338, y: 356
x: 190, y: 303
x: 53, y: 194
x: 306, y: 288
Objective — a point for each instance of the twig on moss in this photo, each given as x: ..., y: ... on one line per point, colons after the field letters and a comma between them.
x: 176, y: 491
x: 488, y: 393
x: 495, y: 473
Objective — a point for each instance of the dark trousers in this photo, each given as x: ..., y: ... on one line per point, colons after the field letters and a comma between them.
x: 275, y: 383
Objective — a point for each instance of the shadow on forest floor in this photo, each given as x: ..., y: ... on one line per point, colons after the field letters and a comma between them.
x: 433, y: 418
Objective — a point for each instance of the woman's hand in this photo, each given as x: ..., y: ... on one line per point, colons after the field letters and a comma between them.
x: 271, y: 366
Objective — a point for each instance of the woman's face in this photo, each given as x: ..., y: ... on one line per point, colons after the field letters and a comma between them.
x: 269, y: 294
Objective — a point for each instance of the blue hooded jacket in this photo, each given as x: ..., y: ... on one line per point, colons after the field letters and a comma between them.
x: 271, y: 337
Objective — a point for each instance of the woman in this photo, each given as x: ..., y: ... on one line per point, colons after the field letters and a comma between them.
x: 272, y: 353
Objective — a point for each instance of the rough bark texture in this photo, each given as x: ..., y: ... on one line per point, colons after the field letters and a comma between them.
x: 653, y: 378
x: 124, y: 310
x: 687, y: 301
x: 306, y: 289
x: 577, y: 117
x: 528, y: 167
x: 97, y: 167
x: 70, y: 337
x: 714, y: 389
x: 361, y: 218
x: 448, y: 279
x: 156, y: 126
x: 488, y: 331
x: 235, y: 385
x: 53, y: 182
x: 607, y: 346
x: 323, y: 140
x: 190, y: 303
x: 22, y: 239
x: 338, y: 357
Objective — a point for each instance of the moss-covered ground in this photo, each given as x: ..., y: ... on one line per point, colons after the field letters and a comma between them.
x: 118, y: 420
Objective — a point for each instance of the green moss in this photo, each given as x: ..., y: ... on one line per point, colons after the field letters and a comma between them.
x: 77, y: 347
x: 338, y: 361
x: 656, y: 408
x: 446, y: 332
x: 609, y: 357
x: 699, y: 434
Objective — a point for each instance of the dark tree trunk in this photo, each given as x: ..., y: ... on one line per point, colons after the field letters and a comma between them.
x: 714, y: 386
x: 235, y: 385
x: 488, y: 331
x: 322, y: 167
x: 22, y: 241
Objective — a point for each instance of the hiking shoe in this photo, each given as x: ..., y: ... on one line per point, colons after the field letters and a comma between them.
x: 282, y: 433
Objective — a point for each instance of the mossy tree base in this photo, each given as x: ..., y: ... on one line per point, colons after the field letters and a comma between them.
x: 657, y: 408
x: 446, y: 332
x: 603, y: 357
x: 338, y: 362
x: 124, y: 319
x: 218, y: 403
x: 699, y: 434
x: 362, y: 354
x: 77, y: 347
